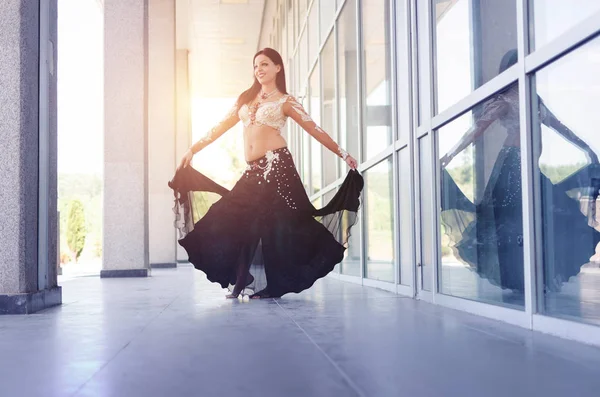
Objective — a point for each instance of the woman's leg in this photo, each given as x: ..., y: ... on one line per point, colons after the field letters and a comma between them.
x: 243, y: 276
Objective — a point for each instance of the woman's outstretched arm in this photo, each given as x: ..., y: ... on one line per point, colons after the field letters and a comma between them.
x: 295, y: 110
x: 223, y: 126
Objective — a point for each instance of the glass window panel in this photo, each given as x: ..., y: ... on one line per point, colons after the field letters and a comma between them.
x: 291, y: 30
x: 328, y: 196
x: 379, y: 208
x: 425, y: 197
x: 403, y: 73
x: 377, y: 76
x: 317, y: 203
x: 423, y: 61
x: 347, y: 80
x: 406, y: 218
x: 283, y: 42
x: 568, y: 181
x: 351, y: 265
x: 315, y: 113
x: 303, y: 59
x: 313, y: 33
x: 552, y: 18
x: 305, y: 142
x: 481, y: 203
x: 302, y: 7
x: 330, y: 173
x: 296, y: 72
x: 327, y: 16
x: 472, y: 37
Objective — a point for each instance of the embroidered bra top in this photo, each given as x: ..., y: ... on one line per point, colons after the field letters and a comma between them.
x: 269, y: 114
x: 273, y: 114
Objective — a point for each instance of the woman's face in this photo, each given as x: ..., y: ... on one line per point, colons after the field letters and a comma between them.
x: 265, y: 70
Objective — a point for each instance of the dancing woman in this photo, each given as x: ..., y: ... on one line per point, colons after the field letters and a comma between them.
x: 266, y: 224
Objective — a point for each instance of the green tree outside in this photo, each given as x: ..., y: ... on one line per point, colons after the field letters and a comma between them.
x: 76, y: 230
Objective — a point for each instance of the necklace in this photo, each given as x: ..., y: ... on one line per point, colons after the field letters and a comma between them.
x: 264, y: 95
x: 254, y: 108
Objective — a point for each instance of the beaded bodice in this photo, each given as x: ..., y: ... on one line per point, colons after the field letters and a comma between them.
x: 268, y: 113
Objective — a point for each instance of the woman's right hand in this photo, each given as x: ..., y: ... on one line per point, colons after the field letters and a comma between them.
x: 186, y: 160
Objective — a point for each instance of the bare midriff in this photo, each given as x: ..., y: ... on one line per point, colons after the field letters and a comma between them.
x: 259, y: 139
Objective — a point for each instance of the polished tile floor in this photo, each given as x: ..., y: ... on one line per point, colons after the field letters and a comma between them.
x: 174, y: 334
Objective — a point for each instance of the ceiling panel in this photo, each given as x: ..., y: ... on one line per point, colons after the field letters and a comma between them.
x: 222, y: 37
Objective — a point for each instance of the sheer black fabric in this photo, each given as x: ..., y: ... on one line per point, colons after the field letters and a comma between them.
x: 488, y: 236
x: 265, y: 235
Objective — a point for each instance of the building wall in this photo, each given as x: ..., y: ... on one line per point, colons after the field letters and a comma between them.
x: 476, y: 194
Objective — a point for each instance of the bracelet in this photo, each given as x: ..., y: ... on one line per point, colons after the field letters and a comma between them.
x: 343, y: 153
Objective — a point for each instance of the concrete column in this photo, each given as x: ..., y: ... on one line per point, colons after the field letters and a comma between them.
x: 161, y: 131
x: 125, y: 252
x: 183, y: 137
x: 28, y: 280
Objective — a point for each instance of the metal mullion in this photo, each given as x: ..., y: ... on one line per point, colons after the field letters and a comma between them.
x: 415, y: 132
x: 480, y: 94
x: 321, y: 114
x: 394, y: 137
x: 359, y: 77
x: 529, y: 246
x: 573, y: 38
x: 399, y: 145
x: 377, y: 159
x: 427, y: 123
x: 422, y: 130
x: 332, y: 186
x: 336, y: 96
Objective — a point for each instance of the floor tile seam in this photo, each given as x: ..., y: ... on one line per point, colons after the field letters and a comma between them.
x: 100, y: 369
x: 344, y: 375
x: 122, y: 348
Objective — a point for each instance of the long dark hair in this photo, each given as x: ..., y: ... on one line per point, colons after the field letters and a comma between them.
x: 508, y: 59
x: 253, y: 91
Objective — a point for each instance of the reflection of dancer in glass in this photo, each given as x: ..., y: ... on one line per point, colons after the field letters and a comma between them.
x: 488, y: 235
x: 266, y: 223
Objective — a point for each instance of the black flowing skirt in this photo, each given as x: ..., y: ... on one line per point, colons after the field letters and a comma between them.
x: 264, y: 235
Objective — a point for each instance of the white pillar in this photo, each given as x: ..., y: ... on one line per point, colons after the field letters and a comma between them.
x: 125, y: 247
x: 161, y: 131
x: 184, y: 131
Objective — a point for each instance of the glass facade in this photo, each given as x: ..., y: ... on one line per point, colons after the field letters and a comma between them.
x: 481, y: 216
x: 315, y: 147
x: 329, y: 110
x: 553, y: 18
x: 379, y: 219
x: 471, y: 38
x: 481, y: 186
x: 377, y: 125
x: 566, y: 147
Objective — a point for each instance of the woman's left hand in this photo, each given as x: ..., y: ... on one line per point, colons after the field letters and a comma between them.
x: 351, y: 161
